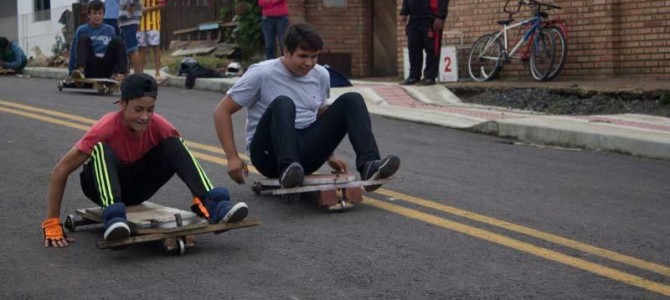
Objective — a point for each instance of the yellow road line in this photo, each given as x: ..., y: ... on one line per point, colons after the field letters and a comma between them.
x: 92, y: 121
x: 523, y: 246
x: 43, y: 118
x: 632, y: 261
x: 48, y: 112
x: 462, y: 228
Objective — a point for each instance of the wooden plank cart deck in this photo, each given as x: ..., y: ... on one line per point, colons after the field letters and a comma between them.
x: 154, y: 222
x: 335, y: 192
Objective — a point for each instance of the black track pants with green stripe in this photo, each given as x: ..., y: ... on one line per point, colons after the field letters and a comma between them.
x: 106, y: 181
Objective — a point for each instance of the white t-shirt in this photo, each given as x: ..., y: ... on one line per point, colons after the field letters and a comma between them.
x: 263, y: 82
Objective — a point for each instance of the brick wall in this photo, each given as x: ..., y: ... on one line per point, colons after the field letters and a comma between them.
x: 643, y: 46
x: 344, y: 30
x: 608, y: 38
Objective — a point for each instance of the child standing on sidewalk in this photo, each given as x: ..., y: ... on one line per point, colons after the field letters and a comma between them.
x: 129, y: 22
x: 149, y: 35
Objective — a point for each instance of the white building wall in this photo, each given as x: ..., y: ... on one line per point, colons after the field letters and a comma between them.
x: 40, y: 34
x: 8, y: 21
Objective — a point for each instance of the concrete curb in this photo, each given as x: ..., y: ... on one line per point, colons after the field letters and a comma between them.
x: 51, y: 73
x: 206, y: 84
x: 580, y: 134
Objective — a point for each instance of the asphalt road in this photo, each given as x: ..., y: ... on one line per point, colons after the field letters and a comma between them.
x: 468, y: 216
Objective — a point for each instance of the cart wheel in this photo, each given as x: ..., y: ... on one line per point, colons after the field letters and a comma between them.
x: 182, y: 246
x: 60, y: 86
x: 256, y: 188
x: 70, y: 224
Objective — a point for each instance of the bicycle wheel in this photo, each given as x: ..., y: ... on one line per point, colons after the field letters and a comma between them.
x: 542, y: 55
x: 484, y: 62
x: 561, y: 44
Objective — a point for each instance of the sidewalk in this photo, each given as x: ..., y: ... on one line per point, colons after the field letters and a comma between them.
x: 641, y: 135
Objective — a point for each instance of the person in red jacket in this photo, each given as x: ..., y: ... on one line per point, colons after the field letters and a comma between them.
x: 274, y: 24
x: 424, y: 33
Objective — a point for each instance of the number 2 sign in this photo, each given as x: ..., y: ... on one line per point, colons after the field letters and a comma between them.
x: 448, y: 64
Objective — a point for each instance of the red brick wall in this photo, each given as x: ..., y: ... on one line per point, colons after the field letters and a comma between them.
x: 643, y: 45
x: 607, y: 38
x: 344, y: 30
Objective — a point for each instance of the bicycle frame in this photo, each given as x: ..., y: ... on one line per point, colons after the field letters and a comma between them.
x: 535, y: 23
x: 545, y: 24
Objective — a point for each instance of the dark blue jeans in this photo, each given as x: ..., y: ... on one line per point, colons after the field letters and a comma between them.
x: 274, y: 29
x: 114, y: 23
x: 418, y: 42
x: 277, y: 143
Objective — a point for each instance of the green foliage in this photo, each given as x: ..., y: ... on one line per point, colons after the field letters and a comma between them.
x: 664, y: 98
x: 249, y: 35
x: 59, y: 46
x: 224, y: 13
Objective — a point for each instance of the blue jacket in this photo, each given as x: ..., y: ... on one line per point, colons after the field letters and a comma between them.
x: 100, y: 38
x: 111, y: 9
x: 14, y: 58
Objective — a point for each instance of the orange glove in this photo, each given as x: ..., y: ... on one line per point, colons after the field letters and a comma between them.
x: 53, y: 232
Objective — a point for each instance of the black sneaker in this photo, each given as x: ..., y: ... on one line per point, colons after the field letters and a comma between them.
x: 427, y: 81
x: 410, y: 81
x: 380, y: 169
x: 236, y: 213
x: 292, y: 176
x: 117, y: 231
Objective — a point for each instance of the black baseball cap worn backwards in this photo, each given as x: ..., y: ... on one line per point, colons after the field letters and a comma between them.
x: 137, y: 86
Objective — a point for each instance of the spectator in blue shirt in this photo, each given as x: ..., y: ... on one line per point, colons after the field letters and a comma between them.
x: 11, y: 55
x: 96, y: 50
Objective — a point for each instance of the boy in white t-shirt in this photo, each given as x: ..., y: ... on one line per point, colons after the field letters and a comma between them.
x: 291, y: 131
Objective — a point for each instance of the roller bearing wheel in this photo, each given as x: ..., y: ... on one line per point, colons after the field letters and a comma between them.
x: 70, y: 224
x: 256, y: 188
x: 181, y: 249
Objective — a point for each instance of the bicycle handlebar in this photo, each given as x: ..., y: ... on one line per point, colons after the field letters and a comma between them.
x: 530, y: 3
x: 540, y: 4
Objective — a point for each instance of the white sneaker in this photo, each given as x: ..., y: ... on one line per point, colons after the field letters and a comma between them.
x: 236, y: 213
x: 117, y: 231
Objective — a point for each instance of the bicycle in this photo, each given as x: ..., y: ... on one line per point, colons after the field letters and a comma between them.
x: 491, y: 51
x: 559, y: 32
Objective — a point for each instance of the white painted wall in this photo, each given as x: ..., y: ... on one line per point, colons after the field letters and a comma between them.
x: 42, y: 33
x: 8, y: 21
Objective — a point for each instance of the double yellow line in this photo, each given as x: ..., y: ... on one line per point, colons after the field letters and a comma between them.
x: 73, y: 121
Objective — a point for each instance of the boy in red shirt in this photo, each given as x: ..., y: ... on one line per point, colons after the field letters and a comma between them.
x: 127, y: 156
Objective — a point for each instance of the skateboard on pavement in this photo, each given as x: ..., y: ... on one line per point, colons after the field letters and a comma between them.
x: 104, y: 86
x: 335, y: 192
x: 4, y: 71
x: 150, y: 222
